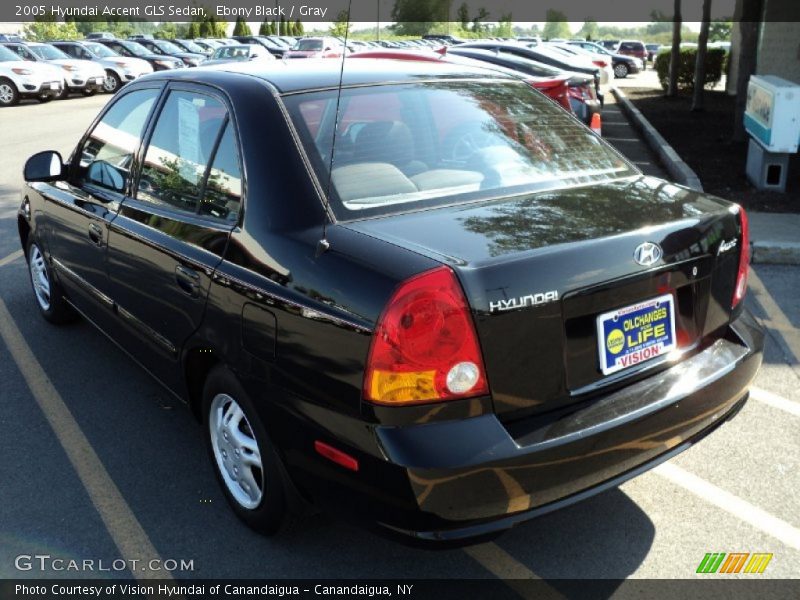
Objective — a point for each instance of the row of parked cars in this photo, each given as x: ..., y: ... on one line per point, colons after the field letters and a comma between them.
x: 569, y: 72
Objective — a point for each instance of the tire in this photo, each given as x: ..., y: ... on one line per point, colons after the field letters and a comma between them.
x: 47, y: 292
x: 64, y: 94
x: 44, y: 98
x: 9, y: 95
x: 88, y: 93
x: 244, y: 460
x: 620, y: 70
x: 112, y: 82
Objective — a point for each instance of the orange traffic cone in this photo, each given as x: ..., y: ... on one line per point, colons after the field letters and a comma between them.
x: 596, y: 124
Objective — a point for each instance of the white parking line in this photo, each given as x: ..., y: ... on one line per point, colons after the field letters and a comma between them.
x: 10, y: 258
x: 741, y: 509
x: 120, y: 521
x: 775, y: 401
x: 504, y: 566
x: 776, y: 321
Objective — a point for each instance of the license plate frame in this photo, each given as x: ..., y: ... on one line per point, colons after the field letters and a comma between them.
x: 624, y: 342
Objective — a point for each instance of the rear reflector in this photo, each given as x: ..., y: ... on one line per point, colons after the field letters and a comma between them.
x: 744, y: 260
x: 337, y: 456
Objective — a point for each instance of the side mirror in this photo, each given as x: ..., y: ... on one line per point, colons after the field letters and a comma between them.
x: 44, y: 166
x: 327, y: 49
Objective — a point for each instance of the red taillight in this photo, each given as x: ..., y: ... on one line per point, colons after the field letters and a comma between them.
x: 425, y: 347
x: 744, y: 260
x: 600, y: 63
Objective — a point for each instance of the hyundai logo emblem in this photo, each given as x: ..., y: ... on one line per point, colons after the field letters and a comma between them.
x: 647, y: 254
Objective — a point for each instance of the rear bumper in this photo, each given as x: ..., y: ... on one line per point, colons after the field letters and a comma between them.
x: 462, y: 480
x: 504, y: 480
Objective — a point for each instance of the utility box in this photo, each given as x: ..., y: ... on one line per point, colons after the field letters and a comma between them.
x: 772, y: 113
x: 766, y: 170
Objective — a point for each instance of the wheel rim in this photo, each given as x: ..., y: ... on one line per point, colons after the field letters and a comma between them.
x: 620, y: 71
x: 110, y: 84
x: 39, y: 277
x: 6, y: 93
x: 236, y: 451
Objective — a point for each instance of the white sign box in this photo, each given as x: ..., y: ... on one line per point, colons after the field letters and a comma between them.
x: 772, y: 114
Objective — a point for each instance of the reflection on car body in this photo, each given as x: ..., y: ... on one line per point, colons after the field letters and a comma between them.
x: 406, y: 314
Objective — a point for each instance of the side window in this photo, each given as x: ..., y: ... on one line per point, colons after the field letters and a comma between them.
x: 223, y: 195
x: 180, y: 150
x: 25, y: 53
x: 105, y: 159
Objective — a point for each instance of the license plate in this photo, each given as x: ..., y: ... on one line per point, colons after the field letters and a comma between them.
x: 54, y: 86
x: 98, y: 80
x: 634, y: 334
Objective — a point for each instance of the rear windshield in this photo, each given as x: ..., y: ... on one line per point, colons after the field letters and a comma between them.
x: 306, y: 45
x: 409, y: 147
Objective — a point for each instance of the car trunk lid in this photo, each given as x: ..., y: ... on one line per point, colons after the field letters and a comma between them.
x: 539, y: 269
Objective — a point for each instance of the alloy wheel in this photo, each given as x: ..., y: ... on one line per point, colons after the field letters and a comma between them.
x: 39, y: 277
x: 236, y: 451
x: 6, y: 93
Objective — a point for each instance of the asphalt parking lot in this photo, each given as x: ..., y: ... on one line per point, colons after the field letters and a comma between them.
x: 99, y: 463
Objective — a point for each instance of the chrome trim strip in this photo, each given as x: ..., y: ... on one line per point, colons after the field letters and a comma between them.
x: 107, y: 301
x: 140, y: 325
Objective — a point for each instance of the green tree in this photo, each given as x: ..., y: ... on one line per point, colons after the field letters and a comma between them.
x: 720, y: 30
x: 477, y: 26
x: 590, y: 30
x: 263, y: 29
x: 298, y: 27
x: 556, y: 25
x: 194, y: 30
x: 505, y: 26
x: 418, y: 17
x: 166, y: 31
x: 462, y: 14
x: 341, y: 26
x: 45, y: 31
x: 241, y: 27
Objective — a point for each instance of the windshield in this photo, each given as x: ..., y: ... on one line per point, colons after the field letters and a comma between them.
x: 48, y: 52
x: 409, y: 147
x: 308, y: 45
x: 232, y: 53
x: 6, y: 54
x: 191, y: 46
x: 135, y: 49
x: 100, y: 50
x: 168, y: 47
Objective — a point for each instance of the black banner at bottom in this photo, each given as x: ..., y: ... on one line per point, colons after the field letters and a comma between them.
x: 411, y: 589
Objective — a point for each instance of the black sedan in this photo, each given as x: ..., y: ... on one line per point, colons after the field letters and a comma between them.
x: 439, y: 305
x: 132, y: 49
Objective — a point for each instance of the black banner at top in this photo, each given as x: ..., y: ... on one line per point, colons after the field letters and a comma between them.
x: 384, y: 11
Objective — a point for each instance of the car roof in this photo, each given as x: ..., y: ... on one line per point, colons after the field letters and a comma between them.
x: 316, y: 74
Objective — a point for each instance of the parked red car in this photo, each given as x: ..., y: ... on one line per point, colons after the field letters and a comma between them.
x: 633, y: 48
x: 322, y: 47
x: 556, y: 87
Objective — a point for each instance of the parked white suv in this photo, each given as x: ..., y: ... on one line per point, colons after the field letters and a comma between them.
x: 22, y: 79
x: 119, y: 69
x: 79, y: 75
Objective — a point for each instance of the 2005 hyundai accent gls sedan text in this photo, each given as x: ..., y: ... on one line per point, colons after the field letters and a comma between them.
x: 419, y: 295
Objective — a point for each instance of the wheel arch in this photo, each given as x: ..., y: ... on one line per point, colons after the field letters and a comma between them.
x: 198, y: 360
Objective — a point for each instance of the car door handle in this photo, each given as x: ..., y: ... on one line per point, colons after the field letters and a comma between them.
x: 188, y: 280
x: 96, y: 233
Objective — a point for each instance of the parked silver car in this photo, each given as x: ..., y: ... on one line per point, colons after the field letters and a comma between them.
x: 119, y: 69
x: 83, y: 76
